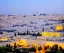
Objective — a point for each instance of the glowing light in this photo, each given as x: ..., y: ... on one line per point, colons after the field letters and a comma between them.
x: 12, y: 44
x: 4, y: 39
x: 35, y: 45
x: 47, y: 34
x: 59, y: 27
x: 22, y: 43
x: 53, y: 43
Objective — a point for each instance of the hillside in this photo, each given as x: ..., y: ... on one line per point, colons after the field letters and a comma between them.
x: 32, y: 23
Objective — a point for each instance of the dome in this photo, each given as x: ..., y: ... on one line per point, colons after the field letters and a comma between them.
x: 4, y: 39
x: 59, y: 27
x: 22, y: 42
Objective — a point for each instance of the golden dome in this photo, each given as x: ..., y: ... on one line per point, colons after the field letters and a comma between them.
x: 59, y: 27
x: 4, y: 39
x: 22, y: 42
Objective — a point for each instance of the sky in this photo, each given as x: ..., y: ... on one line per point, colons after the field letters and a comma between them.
x: 22, y: 7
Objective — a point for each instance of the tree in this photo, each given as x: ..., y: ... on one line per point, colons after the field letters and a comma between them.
x: 24, y: 16
x: 41, y: 14
x: 32, y: 49
x: 14, y: 34
x: 39, y: 48
x: 27, y: 32
x: 15, y: 46
x: 34, y: 14
x: 16, y: 51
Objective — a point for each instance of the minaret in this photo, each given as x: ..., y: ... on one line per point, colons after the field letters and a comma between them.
x: 37, y: 13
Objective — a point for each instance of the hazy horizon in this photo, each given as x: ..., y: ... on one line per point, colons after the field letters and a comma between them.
x: 29, y: 7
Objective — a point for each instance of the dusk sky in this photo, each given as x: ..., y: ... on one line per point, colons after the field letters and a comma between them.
x: 18, y: 7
